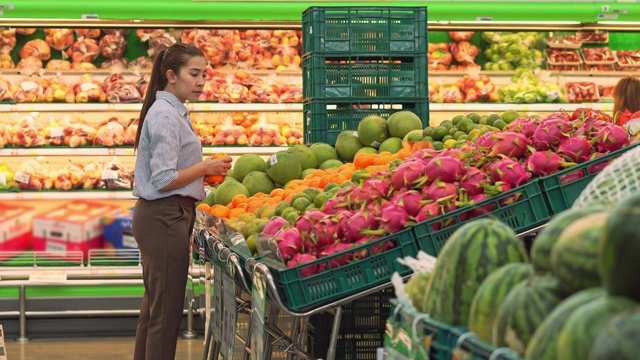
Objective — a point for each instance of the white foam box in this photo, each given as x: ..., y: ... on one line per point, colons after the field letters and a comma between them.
x: 15, y: 227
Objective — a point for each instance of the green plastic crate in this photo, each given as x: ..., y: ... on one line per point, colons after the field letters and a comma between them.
x: 299, y: 292
x: 563, y: 188
x: 364, y: 29
x: 470, y: 347
x: 529, y: 211
x: 324, y: 120
x: 361, y: 77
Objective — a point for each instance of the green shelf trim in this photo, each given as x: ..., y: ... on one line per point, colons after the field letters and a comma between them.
x: 74, y: 291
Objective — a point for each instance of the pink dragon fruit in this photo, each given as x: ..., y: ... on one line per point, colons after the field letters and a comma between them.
x: 445, y: 168
x: 572, y: 176
x: 382, y: 247
x: 429, y: 212
x: 289, y: 243
x: 411, y: 200
x: 543, y: 163
x: 558, y: 116
x: 409, y: 174
x: 306, y: 222
x: 325, y: 232
x: 300, y: 259
x: 496, y: 188
x: 576, y: 148
x: 392, y: 218
x: 439, y: 190
x: 345, y: 191
x: 471, y: 182
x: 481, y: 210
x: 589, y: 129
x: 343, y: 217
x: 423, y: 154
x: 525, y: 126
x: 611, y: 138
x: 370, y: 190
x: 509, y: 144
x: 360, y: 220
x: 599, y: 166
x: 274, y: 225
x: 550, y: 132
x: 510, y: 171
x: 333, y: 205
x: 332, y: 249
x: 485, y: 140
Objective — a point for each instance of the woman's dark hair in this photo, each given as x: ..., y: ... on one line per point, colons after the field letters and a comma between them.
x: 626, y: 95
x: 172, y: 58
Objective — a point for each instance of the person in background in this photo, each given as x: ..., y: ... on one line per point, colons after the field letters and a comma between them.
x: 626, y: 103
x: 169, y: 175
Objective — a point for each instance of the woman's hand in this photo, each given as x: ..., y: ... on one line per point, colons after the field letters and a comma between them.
x: 217, y: 166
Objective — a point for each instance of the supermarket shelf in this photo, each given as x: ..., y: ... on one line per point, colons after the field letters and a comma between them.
x: 67, y: 195
x: 518, y: 107
x: 210, y: 107
x: 128, y: 151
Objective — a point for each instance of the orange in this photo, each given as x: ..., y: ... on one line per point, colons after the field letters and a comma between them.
x: 276, y: 192
x: 235, y: 213
x: 220, y: 211
x: 204, y: 207
x: 216, y: 179
x: 362, y: 160
x: 237, y: 200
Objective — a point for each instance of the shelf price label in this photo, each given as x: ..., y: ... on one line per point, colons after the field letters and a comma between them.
x: 21, y: 177
x: 48, y: 276
x: 229, y: 312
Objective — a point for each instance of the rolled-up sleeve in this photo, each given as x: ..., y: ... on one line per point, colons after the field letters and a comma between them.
x: 165, y: 148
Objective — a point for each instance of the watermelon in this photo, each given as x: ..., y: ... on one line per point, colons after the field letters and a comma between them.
x: 543, y: 344
x: 574, y: 257
x: 619, y: 251
x: 544, y: 241
x: 586, y: 322
x: 619, y: 338
x: 524, y: 309
x: 491, y: 293
x: 473, y: 251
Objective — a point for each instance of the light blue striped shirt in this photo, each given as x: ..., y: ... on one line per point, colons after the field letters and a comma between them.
x: 167, y: 144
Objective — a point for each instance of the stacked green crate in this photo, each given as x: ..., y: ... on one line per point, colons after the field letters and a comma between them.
x: 361, y: 61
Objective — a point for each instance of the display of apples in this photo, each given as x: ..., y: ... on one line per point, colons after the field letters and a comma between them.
x: 478, y: 88
x: 89, y: 90
x: 245, y: 119
x: 30, y: 64
x: 598, y: 67
x: 89, y: 33
x: 29, y: 91
x: 605, y: 91
x: 36, y: 48
x: 205, y: 133
x: 464, y: 52
x: 110, y: 134
x: 563, y: 56
x: 83, y: 50
x: 7, y: 40
x: 59, y: 39
x: 26, y: 133
x: 563, y: 42
x: 6, y: 178
x: 36, y: 175
x: 578, y: 92
x: 6, y: 62
x: 448, y: 93
x: 628, y: 57
x: 235, y: 93
x: 263, y: 134
x: 602, y: 54
x: 593, y: 37
x: 225, y: 134
x: 291, y: 135
x: 438, y: 56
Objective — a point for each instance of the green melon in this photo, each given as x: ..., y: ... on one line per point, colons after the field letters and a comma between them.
x: 490, y: 295
x: 619, y: 250
x: 586, y: 322
x: 372, y: 131
x: 257, y: 181
x: 246, y: 164
x: 283, y: 167
x: 574, y: 257
x: 367, y: 150
x: 524, y: 309
x: 619, y: 338
x: 227, y: 190
x: 331, y: 164
x: 473, y: 251
x: 347, y: 144
x: 402, y: 122
x: 544, y: 343
x: 323, y: 152
x: 544, y: 241
x: 392, y: 145
x: 305, y: 155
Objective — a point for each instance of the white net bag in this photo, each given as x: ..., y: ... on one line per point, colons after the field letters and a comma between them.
x: 615, y: 182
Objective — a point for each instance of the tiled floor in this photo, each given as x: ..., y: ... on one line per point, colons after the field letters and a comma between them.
x: 92, y: 349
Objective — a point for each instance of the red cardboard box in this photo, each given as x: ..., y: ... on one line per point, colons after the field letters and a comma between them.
x: 75, y: 226
x: 15, y: 227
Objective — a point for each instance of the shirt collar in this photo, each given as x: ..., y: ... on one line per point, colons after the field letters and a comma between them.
x: 173, y: 100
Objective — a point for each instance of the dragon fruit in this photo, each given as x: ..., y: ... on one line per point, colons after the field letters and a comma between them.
x: 325, y: 232
x: 445, y: 168
x: 429, y: 212
x: 509, y: 144
x: 471, y: 182
x: 289, y: 243
x: 550, y: 132
x: 332, y: 249
x: 423, y: 154
x: 525, y: 126
x: 343, y: 217
x: 411, y: 200
x: 306, y: 222
x: 599, y: 166
x: 576, y: 148
x: 611, y: 138
x: 360, y: 220
x: 333, y: 205
x: 274, y: 225
x: 510, y: 171
x: 300, y: 259
x: 496, y: 188
x: 440, y: 190
x: 485, y: 140
x: 481, y: 210
x: 370, y: 190
x: 392, y: 218
x: 543, y: 163
x: 382, y: 247
x: 409, y: 174
x: 572, y: 176
x: 589, y: 129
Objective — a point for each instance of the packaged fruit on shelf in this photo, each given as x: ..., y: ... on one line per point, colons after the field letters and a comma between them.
x: 36, y: 48
x: 59, y: 39
x: 605, y: 91
x: 563, y: 67
x: 6, y: 178
x: 110, y: 134
x: 7, y: 40
x: 528, y: 88
x: 563, y: 42
x: 265, y: 134
x: 438, y: 56
x: 26, y: 132
x: 563, y: 57
x: 593, y: 37
x: 600, y: 67
x: 509, y: 51
x: 598, y: 56
x: 578, y: 92
x: 229, y: 134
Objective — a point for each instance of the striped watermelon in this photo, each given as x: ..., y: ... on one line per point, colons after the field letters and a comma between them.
x: 491, y: 293
x: 472, y: 252
x: 619, y: 338
x: 546, y: 239
x: 584, y: 325
x: 574, y: 258
x: 543, y: 344
x: 524, y: 309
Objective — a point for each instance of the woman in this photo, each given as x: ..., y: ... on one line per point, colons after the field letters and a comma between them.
x: 626, y: 102
x: 169, y: 176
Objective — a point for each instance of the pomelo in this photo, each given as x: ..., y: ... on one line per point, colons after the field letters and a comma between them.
x: 323, y: 152
x: 331, y: 164
x: 372, y: 131
x: 306, y: 172
x: 401, y: 122
x: 305, y: 155
x: 257, y: 181
x: 393, y: 144
x: 347, y: 144
x: 283, y: 167
x: 414, y: 135
x: 246, y: 164
x: 227, y: 190
x: 367, y: 150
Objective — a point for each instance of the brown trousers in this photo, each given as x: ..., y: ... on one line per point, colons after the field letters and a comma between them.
x: 162, y: 228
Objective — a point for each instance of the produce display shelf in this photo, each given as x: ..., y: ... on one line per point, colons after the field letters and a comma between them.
x: 128, y: 151
x: 527, y: 211
x: 210, y: 107
x: 300, y: 290
x: 560, y: 194
x: 500, y: 107
x: 68, y: 195
x: 364, y: 29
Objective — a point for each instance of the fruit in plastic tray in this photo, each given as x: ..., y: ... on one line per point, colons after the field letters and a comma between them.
x: 89, y: 33
x: 83, y: 50
x: 605, y: 91
x: 58, y: 39
x: 628, y: 57
x: 592, y: 36
x: 563, y: 67
x: 599, y: 67
x: 563, y: 56
x: 563, y: 40
x: 112, y: 46
x: 36, y: 48
x: 582, y: 92
x: 598, y: 54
